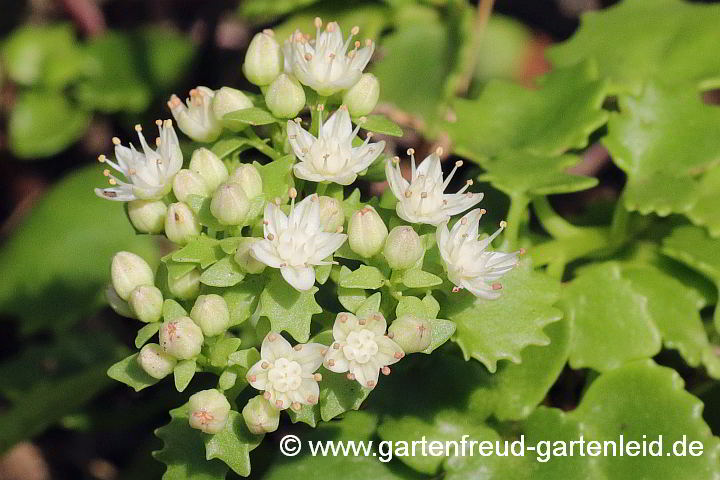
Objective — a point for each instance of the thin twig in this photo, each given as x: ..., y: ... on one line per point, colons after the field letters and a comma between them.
x: 482, y: 16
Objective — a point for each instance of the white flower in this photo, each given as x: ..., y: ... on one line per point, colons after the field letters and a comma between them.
x: 331, y: 157
x: 296, y: 242
x: 422, y: 200
x: 196, y: 120
x: 362, y: 348
x: 468, y: 262
x: 287, y: 374
x: 324, y: 64
x: 148, y: 175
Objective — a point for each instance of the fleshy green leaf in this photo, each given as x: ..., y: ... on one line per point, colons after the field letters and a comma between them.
x: 364, y: 277
x: 338, y: 395
x: 276, y: 177
x: 129, y: 372
x: 370, y: 306
x: 201, y: 208
x: 227, y: 146
x: 243, y: 298
x: 705, y: 212
x: 172, y: 310
x: 146, y: 333
x: 164, y: 71
x: 184, y: 372
x: 490, y: 330
x: 416, y: 278
x: 224, y: 273
x: 233, y: 445
x: 248, y: 116
x: 288, y: 309
x: 203, y: 250
x: 381, y: 124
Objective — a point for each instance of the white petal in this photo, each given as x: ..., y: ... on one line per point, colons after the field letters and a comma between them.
x: 309, y: 390
x: 299, y: 138
x: 459, y: 202
x: 326, y: 244
x: 338, y: 126
x: 344, y: 324
x: 274, y: 346
x: 335, y: 361
x: 365, y: 373
x: 365, y: 155
x: 309, y: 356
x: 306, y: 171
x: 265, y: 252
x: 301, y: 278
x: 388, y: 351
x: 260, y: 374
x: 376, y: 323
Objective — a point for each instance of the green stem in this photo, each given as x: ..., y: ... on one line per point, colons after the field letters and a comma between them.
x: 518, y: 208
x: 321, y: 188
x: 566, y: 250
x: 260, y: 145
x: 551, y: 221
x: 620, y: 223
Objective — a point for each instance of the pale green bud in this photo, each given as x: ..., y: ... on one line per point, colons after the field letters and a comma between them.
x: 331, y: 214
x: 366, y: 232
x: 261, y: 417
x: 362, y: 97
x: 229, y: 204
x: 285, y: 97
x: 248, y: 177
x: 155, y: 361
x: 413, y: 334
x: 403, y: 247
x: 147, y: 216
x: 187, y: 183
x: 181, y: 338
x: 129, y: 271
x: 212, y: 314
x: 247, y: 262
x: 120, y: 306
x: 147, y: 303
x: 208, y: 411
x: 186, y: 287
x: 229, y: 100
x: 181, y: 225
x: 263, y: 59
x: 206, y: 164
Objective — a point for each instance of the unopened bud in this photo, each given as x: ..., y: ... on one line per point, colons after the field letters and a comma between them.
x: 147, y: 216
x: 186, y: 287
x: 181, y: 338
x: 247, y: 262
x: 119, y: 306
x: 331, y: 214
x: 211, y: 313
x: 260, y: 416
x: 181, y: 225
x: 195, y: 117
x: 187, y: 183
x: 403, y: 247
x: 229, y: 100
x: 147, y: 303
x: 248, y: 177
x: 155, y: 361
x: 285, y: 97
x: 206, y: 164
x: 208, y: 411
x: 263, y: 60
x: 229, y: 204
x: 129, y: 271
x: 413, y: 334
x: 366, y: 232
x: 362, y: 97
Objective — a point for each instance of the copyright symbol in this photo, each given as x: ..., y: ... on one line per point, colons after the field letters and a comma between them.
x: 290, y: 445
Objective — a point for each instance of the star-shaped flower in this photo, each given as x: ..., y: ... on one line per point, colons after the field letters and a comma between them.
x: 195, y: 117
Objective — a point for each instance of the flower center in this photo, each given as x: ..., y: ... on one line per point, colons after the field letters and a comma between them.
x: 294, y: 246
x: 361, y: 346
x: 285, y: 375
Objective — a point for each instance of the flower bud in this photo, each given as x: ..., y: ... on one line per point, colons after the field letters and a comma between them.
x: 285, y: 97
x: 147, y: 303
x: 208, y: 411
x: 263, y: 60
x: 206, y: 164
x: 129, y: 271
x: 362, y: 97
x: 229, y: 204
x: 403, y: 247
x: 181, y: 338
x: 248, y: 177
x: 331, y: 214
x: 195, y: 117
x: 119, y: 306
x: 260, y: 416
x: 186, y: 287
x: 366, y: 232
x: 147, y: 216
x: 186, y: 183
x: 229, y: 100
x: 413, y: 334
x: 180, y: 224
x: 155, y: 361
x: 247, y: 262
x: 211, y: 313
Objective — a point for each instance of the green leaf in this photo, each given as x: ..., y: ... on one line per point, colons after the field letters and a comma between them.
x: 146, y: 333
x: 201, y: 208
x: 440, y: 332
x: 364, y: 277
x: 276, y: 177
x: 224, y: 273
x: 220, y: 352
x: 183, y: 451
x: 548, y: 121
x: 172, y: 310
x: 184, y: 372
x: 338, y: 395
x: 370, y: 306
x: 416, y: 278
x: 233, y: 445
x: 227, y: 146
x: 248, y: 116
x: 600, y: 300
x: 261, y: 10
x: 649, y: 140
x: 288, y: 309
x: 164, y: 71
x: 243, y: 298
x: 42, y: 124
x: 350, y: 298
x: 129, y: 372
x: 245, y: 358
x: 380, y: 124
x: 203, y: 250
x: 490, y: 330
x: 704, y: 212
x: 636, y: 40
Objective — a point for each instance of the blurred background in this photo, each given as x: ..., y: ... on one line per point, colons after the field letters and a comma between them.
x: 75, y: 73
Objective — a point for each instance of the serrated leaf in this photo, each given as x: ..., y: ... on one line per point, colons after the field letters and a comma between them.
x: 222, y: 349
x: 416, y: 278
x: 276, y: 177
x: 364, y: 277
x: 202, y: 250
x: 248, y: 116
x: 227, y: 146
x: 705, y: 212
x: 558, y: 116
x: 224, y: 273
x: 201, y: 208
x: 600, y: 300
x: 432, y: 307
x: 636, y: 40
x: 338, y: 395
x: 490, y: 330
x: 308, y: 414
x: 649, y: 140
x: 381, y: 124
x: 243, y: 298
x: 409, y: 305
x: 288, y: 309
x: 129, y: 372
x: 370, y: 306
x: 172, y: 310
x: 183, y: 373
x: 440, y: 332
x: 245, y: 358
x: 233, y: 445
x: 146, y: 333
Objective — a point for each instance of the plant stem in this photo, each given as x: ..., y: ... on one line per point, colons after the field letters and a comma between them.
x: 260, y: 145
x: 482, y: 15
x: 518, y: 208
x: 620, y: 223
x: 566, y: 250
x: 321, y: 188
x: 551, y: 221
